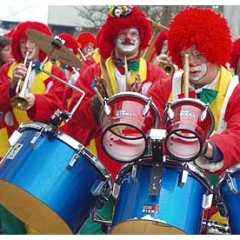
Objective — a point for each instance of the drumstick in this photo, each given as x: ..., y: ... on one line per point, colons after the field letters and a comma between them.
x: 128, y: 83
x: 186, y: 74
x: 100, y: 98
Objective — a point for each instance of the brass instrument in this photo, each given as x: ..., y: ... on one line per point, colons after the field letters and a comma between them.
x: 169, y: 69
x: 150, y: 54
x: 19, y: 101
x: 85, y: 57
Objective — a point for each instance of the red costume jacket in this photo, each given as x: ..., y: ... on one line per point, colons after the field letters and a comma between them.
x: 46, y: 102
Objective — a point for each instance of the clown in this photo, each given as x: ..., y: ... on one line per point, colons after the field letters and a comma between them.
x: 163, y: 58
x: 87, y: 43
x: 206, y: 40
x: 122, y: 39
x: 44, y: 96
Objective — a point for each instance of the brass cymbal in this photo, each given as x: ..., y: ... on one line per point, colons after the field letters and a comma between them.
x: 54, y: 48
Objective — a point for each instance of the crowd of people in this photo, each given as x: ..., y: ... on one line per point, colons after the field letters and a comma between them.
x: 112, y: 64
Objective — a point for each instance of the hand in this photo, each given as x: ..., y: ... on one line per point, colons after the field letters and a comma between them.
x: 19, y: 73
x: 30, y: 99
x: 207, y: 150
x: 101, y: 86
x: 137, y: 84
x: 162, y: 60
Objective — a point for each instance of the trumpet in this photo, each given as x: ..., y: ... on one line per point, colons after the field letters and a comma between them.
x: 149, y: 53
x: 169, y: 69
x: 19, y: 101
x: 85, y: 57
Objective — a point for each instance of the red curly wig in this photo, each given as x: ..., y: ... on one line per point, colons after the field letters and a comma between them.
x: 163, y: 35
x: 70, y: 42
x: 103, y: 46
x: 235, y: 54
x: 207, y: 30
x: 85, y: 38
x: 20, y: 33
x: 116, y: 23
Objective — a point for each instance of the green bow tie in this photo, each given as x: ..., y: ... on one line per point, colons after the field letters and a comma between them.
x: 37, y: 67
x: 133, y: 66
x: 208, y: 95
x: 63, y: 66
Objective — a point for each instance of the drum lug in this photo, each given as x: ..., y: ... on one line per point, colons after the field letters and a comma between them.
x: 170, y: 112
x: 107, y: 109
x: 35, y: 138
x: 13, y: 151
x: 184, y: 177
x: 134, y: 173
x: 207, y: 201
x: 116, y: 190
x: 203, y: 115
x: 14, y: 138
x: 97, y: 191
x: 73, y: 161
x: 147, y: 107
x: 231, y: 184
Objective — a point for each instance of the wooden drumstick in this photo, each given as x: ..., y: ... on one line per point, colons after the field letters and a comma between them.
x: 128, y: 83
x: 186, y: 74
x: 100, y: 98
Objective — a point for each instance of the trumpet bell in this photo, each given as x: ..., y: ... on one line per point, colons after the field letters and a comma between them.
x: 169, y: 69
x: 19, y: 103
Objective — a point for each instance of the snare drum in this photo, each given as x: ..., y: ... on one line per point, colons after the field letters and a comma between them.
x: 228, y: 190
x: 51, y: 182
x: 189, y: 123
x: 177, y: 209
x: 126, y: 120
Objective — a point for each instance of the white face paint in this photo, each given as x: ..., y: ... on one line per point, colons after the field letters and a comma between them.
x: 127, y: 42
x: 31, y: 48
x: 196, y: 73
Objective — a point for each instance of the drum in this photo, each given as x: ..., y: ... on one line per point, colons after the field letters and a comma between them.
x: 51, y: 182
x: 189, y: 123
x: 126, y: 120
x: 177, y: 209
x: 228, y: 189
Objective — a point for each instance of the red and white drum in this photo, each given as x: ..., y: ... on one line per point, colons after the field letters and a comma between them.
x: 189, y: 123
x: 126, y: 119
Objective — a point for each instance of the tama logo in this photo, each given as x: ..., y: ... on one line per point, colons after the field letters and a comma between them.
x: 150, y: 209
x: 123, y: 113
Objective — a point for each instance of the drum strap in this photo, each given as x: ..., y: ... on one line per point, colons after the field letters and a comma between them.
x: 222, y: 124
x: 111, y: 70
x: 176, y: 85
x: 4, y: 145
x: 96, y: 56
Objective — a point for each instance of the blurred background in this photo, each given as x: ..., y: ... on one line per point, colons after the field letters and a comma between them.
x: 74, y: 19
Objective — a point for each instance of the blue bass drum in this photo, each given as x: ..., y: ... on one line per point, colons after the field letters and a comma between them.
x: 177, y: 209
x: 228, y: 189
x: 52, y: 182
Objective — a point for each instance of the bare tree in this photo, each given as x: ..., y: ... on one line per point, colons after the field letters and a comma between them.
x: 95, y: 16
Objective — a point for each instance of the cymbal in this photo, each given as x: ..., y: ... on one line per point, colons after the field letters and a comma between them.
x: 54, y: 48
